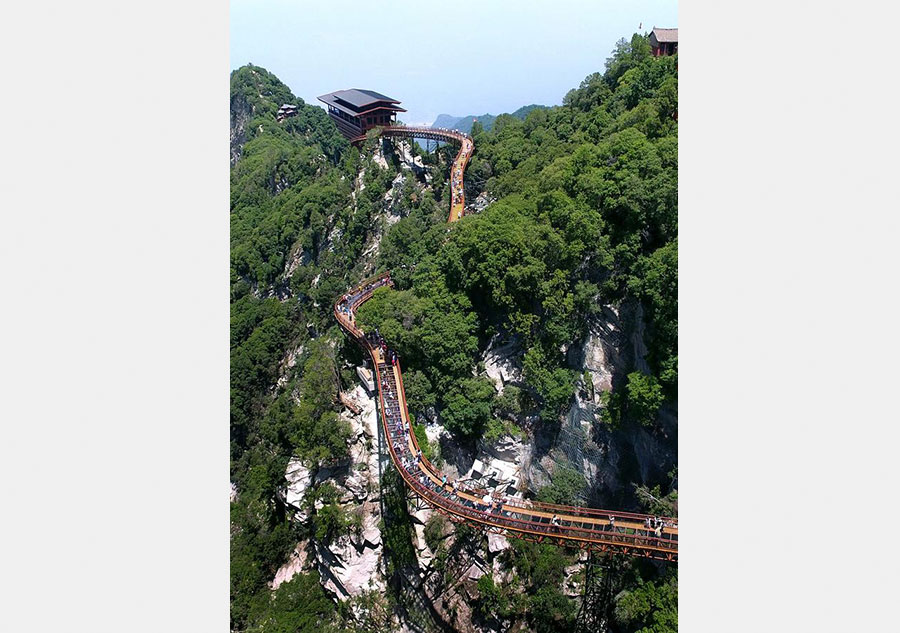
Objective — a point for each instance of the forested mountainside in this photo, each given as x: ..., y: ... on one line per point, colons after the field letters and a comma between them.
x: 538, y: 334
x: 464, y: 123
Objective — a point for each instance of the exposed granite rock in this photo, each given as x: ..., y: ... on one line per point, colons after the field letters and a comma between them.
x: 298, y: 257
x: 240, y: 116
x: 299, y: 478
x: 497, y: 543
x: 298, y: 562
x: 349, y: 566
x: 482, y: 202
x: 507, y: 449
x: 289, y: 361
x: 502, y: 364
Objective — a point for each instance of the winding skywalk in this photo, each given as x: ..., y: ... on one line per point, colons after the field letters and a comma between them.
x: 586, y: 528
x: 457, y: 193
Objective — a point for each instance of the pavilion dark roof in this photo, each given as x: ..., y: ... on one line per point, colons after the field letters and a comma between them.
x: 356, y: 101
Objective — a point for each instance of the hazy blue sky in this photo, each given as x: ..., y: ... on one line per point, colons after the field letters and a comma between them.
x: 463, y: 57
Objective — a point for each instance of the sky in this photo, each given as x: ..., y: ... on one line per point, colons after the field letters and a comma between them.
x: 460, y: 58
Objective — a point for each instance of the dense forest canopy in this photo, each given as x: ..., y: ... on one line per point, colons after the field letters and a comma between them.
x: 584, y: 214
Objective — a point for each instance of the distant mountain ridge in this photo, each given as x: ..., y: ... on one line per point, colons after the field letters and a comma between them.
x: 464, y: 123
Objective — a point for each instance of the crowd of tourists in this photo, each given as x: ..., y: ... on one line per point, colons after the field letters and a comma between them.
x: 457, y: 175
x: 349, y: 301
x: 413, y: 463
x: 455, y: 133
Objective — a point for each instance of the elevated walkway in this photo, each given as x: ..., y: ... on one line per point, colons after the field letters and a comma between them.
x: 590, y: 529
x: 457, y: 171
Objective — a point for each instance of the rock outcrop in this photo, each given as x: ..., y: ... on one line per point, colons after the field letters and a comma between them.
x: 599, y: 356
x: 298, y: 562
x: 481, y: 202
x: 503, y: 363
x: 240, y: 116
x: 394, y: 206
x: 299, y: 478
x: 298, y: 257
x: 351, y: 565
x: 290, y: 360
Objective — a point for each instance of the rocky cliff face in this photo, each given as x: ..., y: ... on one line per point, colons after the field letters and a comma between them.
x: 240, y: 116
x: 610, y: 460
x: 350, y: 565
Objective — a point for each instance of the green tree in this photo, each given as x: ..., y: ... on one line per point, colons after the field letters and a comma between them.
x: 551, y: 611
x: 555, y: 386
x: 429, y: 449
x: 299, y: 605
x: 329, y: 519
x: 320, y: 434
x: 645, y: 397
x: 650, y: 607
x: 435, y: 531
x: 565, y: 487
x: 656, y: 282
x: 492, y: 602
x: 467, y: 407
x: 509, y: 403
x: 419, y: 392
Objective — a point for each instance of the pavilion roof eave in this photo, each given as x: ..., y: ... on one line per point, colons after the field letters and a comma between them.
x: 392, y: 109
x: 354, y: 114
